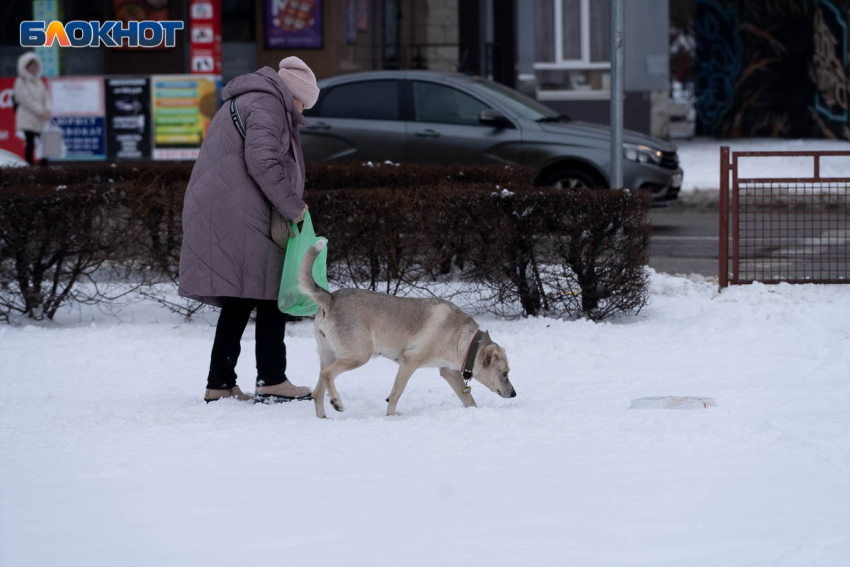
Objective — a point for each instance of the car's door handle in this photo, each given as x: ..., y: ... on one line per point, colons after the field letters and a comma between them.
x: 319, y: 126
x: 429, y: 133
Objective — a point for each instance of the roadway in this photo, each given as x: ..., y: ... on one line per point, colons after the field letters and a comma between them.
x: 684, y: 241
x: 801, y: 242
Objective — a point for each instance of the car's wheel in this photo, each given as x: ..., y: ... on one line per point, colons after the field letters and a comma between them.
x: 570, y: 178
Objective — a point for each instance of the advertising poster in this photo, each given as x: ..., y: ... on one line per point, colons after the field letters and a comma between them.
x: 183, y: 107
x: 79, y: 109
x: 138, y: 10
x: 51, y: 57
x: 128, y: 118
x: 9, y: 140
x: 294, y: 24
x: 205, y: 37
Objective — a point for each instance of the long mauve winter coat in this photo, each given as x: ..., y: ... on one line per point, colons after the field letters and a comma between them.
x: 227, y: 247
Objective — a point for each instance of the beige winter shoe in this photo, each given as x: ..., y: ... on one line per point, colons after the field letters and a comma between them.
x: 284, y: 392
x: 235, y: 392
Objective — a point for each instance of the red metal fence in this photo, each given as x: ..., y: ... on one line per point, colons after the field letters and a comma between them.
x: 783, y: 229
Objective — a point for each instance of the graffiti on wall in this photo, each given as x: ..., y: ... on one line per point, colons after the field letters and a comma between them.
x: 719, y: 56
x: 775, y: 69
x: 829, y: 62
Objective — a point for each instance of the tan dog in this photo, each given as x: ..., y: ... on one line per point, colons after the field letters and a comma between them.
x: 354, y: 325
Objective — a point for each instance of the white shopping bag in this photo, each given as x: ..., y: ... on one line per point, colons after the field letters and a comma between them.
x: 50, y: 142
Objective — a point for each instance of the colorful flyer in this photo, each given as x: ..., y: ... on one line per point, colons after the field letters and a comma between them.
x: 183, y: 107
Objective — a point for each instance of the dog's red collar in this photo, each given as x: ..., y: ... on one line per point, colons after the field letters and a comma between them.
x: 469, y: 361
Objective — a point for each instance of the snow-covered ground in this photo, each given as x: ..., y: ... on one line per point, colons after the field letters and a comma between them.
x: 8, y: 159
x: 108, y: 455
x: 700, y: 159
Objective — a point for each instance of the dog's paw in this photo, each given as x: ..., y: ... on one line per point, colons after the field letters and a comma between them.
x: 394, y: 414
x: 337, y: 405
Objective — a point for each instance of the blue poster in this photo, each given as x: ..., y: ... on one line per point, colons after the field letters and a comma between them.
x: 84, y: 136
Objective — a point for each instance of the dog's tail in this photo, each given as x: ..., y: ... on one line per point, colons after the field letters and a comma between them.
x: 307, y: 284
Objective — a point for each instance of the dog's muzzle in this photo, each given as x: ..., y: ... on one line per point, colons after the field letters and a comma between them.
x: 506, y: 394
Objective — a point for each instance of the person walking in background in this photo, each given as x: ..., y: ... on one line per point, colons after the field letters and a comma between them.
x: 32, y: 102
x: 247, y: 182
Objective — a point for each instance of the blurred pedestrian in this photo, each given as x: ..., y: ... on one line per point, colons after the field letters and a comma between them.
x: 246, y: 188
x: 32, y: 102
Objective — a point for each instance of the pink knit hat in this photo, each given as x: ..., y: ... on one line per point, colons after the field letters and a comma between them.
x: 300, y: 80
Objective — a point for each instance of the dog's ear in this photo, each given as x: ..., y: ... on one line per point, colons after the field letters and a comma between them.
x: 487, y: 336
x: 489, y: 355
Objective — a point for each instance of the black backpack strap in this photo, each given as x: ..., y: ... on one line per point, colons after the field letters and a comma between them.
x: 237, y: 120
x: 240, y: 127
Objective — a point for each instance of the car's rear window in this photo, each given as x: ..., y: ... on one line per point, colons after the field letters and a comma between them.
x: 367, y: 100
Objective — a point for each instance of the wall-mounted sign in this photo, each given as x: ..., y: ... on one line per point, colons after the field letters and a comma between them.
x: 183, y: 107
x: 51, y: 57
x: 140, y: 10
x: 79, y: 109
x: 128, y: 118
x: 205, y: 37
x: 294, y: 24
x: 9, y: 140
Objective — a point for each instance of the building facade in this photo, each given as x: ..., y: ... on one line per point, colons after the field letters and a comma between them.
x: 554, y: 50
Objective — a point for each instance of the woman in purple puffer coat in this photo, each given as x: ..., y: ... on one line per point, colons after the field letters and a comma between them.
x: 241, y: 194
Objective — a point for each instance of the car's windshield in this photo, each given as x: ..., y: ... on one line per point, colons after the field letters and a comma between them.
x: 523, y: 105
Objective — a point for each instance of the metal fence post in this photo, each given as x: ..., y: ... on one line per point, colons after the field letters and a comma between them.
x: 735, y: 224
x: 723, y: 252
x: 616, y: 94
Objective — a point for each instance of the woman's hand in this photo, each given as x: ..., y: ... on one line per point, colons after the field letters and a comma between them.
x: 296, y: 220
x: 45, y: 116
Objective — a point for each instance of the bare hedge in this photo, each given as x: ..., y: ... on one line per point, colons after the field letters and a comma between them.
x: 51, y: 239
x: 534, y: 250
x: 519, y: 248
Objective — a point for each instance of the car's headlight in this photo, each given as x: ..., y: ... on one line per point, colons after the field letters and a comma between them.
x: 641, y: 154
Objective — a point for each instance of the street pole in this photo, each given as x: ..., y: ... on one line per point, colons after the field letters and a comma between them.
x: 616, y: 94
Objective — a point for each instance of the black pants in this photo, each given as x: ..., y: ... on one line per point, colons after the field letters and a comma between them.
x: 29, y: 153
x: 270, y: 351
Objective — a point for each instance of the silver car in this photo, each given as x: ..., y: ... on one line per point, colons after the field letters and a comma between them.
x: 452, y: 118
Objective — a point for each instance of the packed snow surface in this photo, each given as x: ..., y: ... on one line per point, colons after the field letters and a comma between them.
x: 109, y: 456
x: 700, y: 159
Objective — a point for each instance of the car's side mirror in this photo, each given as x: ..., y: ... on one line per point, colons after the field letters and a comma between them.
x: 494, y: 118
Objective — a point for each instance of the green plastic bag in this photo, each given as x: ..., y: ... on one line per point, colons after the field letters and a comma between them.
x: 290, y: 300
